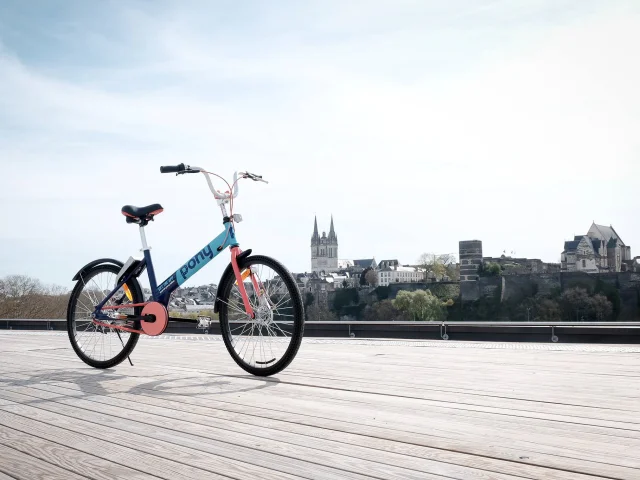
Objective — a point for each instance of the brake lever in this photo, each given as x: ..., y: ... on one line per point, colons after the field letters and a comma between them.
x: 254, y: 177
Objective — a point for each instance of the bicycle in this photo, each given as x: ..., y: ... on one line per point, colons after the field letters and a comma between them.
x: 107, y: 311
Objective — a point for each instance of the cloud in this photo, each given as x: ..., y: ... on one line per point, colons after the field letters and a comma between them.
x: 513, y: 125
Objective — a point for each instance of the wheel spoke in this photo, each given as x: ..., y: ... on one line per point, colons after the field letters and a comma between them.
x: 97, y: 343
x: 269, y: 341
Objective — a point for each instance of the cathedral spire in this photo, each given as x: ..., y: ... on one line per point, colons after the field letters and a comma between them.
x: 315, y: 238
x: 332, y: 232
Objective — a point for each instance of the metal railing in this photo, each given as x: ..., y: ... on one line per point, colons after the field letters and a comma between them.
x: 444, y: 327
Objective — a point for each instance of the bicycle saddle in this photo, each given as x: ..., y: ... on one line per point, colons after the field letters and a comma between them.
x: 141, y: 214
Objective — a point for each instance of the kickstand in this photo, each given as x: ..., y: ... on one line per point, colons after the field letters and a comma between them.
x: 128, y: 356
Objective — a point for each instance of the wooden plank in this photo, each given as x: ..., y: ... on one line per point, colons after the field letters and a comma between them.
x: 479, y: 462
x: 84, y: 442
x: 409, y: 465
x: 447, y: 406
x: 67, y: 458
x: 21, y: 466
x: 282, y: 456
x: 236, y: 460
x: 425, y: 415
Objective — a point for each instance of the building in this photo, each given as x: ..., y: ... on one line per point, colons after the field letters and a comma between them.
x: 365, y: 263
x: 388, y: 263
x: 609, y: 246
x: 600, y: 250
x: 631, y: 265
x: 324, y: 249
x: 399, y: 274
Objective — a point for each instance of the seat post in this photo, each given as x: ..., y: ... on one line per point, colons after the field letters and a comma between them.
x: 143, y: 237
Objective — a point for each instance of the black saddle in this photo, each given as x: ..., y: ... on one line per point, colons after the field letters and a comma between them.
x: 141, y: 215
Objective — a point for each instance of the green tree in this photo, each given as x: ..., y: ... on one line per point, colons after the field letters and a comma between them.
x: 420, y: 305
x: 489, y: 269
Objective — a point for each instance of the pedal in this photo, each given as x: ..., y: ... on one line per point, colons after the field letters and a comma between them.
x: 204, y: 323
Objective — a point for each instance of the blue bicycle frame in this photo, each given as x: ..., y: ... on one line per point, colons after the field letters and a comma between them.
x: 163, y: 292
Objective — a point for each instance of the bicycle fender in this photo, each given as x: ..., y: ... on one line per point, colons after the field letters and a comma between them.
x: 228, y: 272
x: 90, y: 265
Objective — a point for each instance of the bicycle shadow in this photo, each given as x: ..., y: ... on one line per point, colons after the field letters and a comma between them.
x: 88, y: 384
x: 202, y: 384
x: 105, y: 383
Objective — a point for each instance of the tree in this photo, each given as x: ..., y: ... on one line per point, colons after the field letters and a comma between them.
x: 420, y: 305
x: 489, y: 269
x: 437, y: 265
x: 363, y: 279
x: 383, y: 311
x: 575, y: 303
x: 612, y: 292
x: 404, y: 301
x: 548, y: 311
x: 308, y: 299
x: 371, y: 278
x: 25, y: 297
x: 345, y: 297
x: 600, y: 308
x: 320, y: 313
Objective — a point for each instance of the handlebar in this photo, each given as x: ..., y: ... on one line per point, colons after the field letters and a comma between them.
x: 172, y: 168
x: 182, y: 168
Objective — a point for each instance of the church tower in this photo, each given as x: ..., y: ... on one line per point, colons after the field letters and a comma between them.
x: 324, y: 249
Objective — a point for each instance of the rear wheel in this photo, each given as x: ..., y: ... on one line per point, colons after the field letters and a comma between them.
x: 100, y: 346
x: 267, y: 344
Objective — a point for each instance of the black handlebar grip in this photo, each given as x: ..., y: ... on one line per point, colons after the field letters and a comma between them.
x: 172, y: 168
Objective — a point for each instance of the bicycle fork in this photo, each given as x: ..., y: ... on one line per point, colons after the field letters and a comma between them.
x: 257, y: 286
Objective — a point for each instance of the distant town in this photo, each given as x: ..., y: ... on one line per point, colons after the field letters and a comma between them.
x: 600, y: 250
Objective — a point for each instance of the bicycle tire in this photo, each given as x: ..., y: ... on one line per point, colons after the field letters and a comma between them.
x: 297, y: 313
x: 138, y: 297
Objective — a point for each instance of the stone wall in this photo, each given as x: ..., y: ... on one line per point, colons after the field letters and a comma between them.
x: 515, y: 288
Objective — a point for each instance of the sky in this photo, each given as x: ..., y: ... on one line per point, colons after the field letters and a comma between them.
x: 417, y: 124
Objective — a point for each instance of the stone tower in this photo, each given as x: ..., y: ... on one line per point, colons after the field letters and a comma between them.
x: 324, y: 249
x: 470, y: 259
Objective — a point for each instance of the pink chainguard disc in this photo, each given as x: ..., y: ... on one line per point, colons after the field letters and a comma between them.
x: 162, y: 319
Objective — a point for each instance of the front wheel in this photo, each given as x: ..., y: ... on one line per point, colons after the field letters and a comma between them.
x: 268, y: 343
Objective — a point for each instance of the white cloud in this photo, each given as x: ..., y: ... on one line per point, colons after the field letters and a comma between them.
x: 520, y: 144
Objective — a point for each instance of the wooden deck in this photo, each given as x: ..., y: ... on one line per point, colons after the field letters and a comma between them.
x: 345, y: 409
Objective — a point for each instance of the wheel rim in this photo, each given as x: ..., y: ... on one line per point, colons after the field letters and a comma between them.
x: 261, y: 342
x: 100, y: 343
